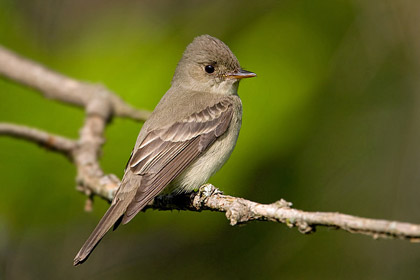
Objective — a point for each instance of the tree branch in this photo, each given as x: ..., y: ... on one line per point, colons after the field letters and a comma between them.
x: 240, y: 211
x: 48, y: 140
x: 61, y: 88
x: 101, y: 105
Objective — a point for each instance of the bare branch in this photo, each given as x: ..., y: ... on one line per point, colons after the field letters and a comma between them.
x: 90, y: 177
x: 58, y: 87
x: 100, y: 105
x: 48, y: 140
x: 239, y: 211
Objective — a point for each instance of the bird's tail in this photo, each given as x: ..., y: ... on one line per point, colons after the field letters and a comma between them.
x: 108, y: 220
x: 123, y: 197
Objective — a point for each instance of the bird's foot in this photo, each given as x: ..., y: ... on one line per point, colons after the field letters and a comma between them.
x: 207, y: 190
x: 203, y: 193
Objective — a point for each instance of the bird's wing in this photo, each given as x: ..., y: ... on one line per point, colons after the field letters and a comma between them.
x: 165, y: 153
x: 162, y: 155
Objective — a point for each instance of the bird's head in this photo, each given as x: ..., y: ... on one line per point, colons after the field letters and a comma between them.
x: 209, y: 65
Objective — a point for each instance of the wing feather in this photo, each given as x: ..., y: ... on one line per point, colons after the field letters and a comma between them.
x: 154, y: 183
x: 158, y: 146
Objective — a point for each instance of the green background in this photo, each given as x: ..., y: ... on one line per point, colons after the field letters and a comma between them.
x: 331, y: 123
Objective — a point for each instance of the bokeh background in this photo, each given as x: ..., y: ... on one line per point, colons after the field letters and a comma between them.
x: 331, y: 123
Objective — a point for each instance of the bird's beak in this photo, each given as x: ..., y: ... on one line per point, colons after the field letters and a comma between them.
x: 241, y: 74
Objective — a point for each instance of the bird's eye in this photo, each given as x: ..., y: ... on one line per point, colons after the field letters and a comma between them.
x: 209, y: 69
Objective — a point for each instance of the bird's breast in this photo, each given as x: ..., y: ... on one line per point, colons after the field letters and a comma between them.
x: 212, y: 159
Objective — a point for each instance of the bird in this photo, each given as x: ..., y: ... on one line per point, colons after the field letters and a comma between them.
x: 188, y: 137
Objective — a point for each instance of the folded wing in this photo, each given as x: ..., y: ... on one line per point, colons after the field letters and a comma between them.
x: 165, y: 153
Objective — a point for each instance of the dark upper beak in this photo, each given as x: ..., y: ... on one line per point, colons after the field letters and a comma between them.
x: 241, y: 74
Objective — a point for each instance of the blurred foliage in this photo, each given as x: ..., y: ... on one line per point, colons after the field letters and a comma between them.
x: 331, y: 123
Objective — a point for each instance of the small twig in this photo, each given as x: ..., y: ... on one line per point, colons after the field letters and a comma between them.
x: 48, y: 140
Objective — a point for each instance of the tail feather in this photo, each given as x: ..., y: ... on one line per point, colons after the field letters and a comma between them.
x: 108, y: 220
x: 112, y: 217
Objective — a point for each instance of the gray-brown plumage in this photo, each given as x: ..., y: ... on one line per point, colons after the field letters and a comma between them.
x: 188, y: 137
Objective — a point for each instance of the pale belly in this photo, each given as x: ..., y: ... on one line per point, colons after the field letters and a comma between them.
x: 209, y: 162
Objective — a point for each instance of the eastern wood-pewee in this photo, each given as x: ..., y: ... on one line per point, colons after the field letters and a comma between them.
x: 188, y: 137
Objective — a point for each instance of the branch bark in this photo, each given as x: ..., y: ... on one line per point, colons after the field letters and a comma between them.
x: 101, y: 105
x: 49, y: 140
x: 240, y: 211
